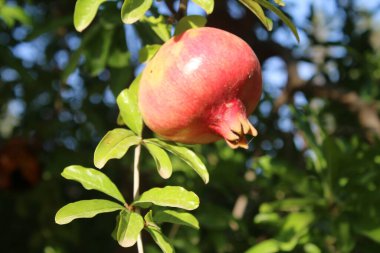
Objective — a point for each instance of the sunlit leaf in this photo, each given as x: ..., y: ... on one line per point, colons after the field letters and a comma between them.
x: 171, y: 196
x: 294, y: 227
x: 159, y: 26
x: 10, y: 14
x: 177, y: 217
x: 85, y: 209
x: 207, y: 5
x: 161, y: 240
x: 92, y: 179
x: 187, y: 155
x: 267, y: 246
x: 128, y: 227
x: 188, y: 22
x: 259, y: 12
x: 163, y: 163
x: 128, y: 106
x: 373, y: 234
x: 85, y: 12
x: 133, y: 10
x: 281, y: 15
x: 280, y: 2
x: 114, y: 144
x: 147, y: 52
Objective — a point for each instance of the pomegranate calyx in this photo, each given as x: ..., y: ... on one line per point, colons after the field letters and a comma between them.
x: 230, y: 122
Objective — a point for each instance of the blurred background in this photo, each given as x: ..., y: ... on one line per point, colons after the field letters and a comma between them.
x: 310, y: 181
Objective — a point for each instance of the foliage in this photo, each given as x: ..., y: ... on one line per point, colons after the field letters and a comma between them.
x: 309, y: 183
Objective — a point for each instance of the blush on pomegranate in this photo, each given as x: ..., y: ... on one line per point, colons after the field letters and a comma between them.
x: 200, y: 87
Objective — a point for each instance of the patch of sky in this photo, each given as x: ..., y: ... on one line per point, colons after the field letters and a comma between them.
x: 72, y: 41
x: 20, y: 33
x: 235, y: 9
x: 300, y: 99
x: 108, y: 97
x: 265, y: 108
x: 8, y: 74
x: 32, y: 52
x: 284, y: 122
x: 16, y: 107
x: 61, y: 57
x: 274, y: 76
x: 306, y: 70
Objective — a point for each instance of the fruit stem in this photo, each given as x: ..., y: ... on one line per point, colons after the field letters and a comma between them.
x: 136, y: 187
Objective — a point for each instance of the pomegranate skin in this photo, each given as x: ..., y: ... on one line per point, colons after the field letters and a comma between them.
x: 200, y: 87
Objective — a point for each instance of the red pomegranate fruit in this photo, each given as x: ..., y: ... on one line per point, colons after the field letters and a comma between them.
x: 200, y: 87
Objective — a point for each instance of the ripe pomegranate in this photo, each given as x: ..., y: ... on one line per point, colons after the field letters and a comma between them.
x: 200, y: 87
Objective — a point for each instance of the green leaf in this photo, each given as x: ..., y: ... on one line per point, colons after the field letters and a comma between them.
x: 259, y: 12
x: 128, y: 105
x: 207, y: 5
x: 85, y: 209
x: 10, y: 14
x: 373, y: 234
x: 92, y: 179
x: 173, y: 196
x: 176, y: 217
x: 133, y: 10
x: 187, y: 155
x: 97, y: 51
x: 147, y: 52
x: 128, y: 227
x: 159, y: 26
x: 280, y: 3
x: 85, y: 12
x: 163, y: 163
x: 267, y: 246
x: 161, y: 240
x: 114, y: 144
x: 281, y: 15
x: 189, y: 22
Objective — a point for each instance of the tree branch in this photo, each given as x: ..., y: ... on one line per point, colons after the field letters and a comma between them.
x: 182, y: 9
x: 136, y: 189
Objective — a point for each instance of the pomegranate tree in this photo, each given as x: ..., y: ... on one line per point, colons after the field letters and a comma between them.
x: 200, y: 87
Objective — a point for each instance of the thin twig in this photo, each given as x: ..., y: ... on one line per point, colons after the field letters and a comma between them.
x: 136, y: 189
x: 182, y: 9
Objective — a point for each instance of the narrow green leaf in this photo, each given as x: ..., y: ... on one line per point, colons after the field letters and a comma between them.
x: 280, y: 3
x: 189, y: 22
x: 75, y: 56
x: 97, y: 51
x: 163, y: 163
x: 133, y: 10
x: 92, y: 179
x: 147, y: 52
x: 207, y: 5
x: 259, y: 12
x: 114, y: 144
x: 161, y: 240
x: 85, y: 209
x: 281, y: 15
x: 85, y: 12
x: 187, y: 155
x: 128, y: 106
x: 172, y: 196
x: 128, y: 227
x: 177, y: 217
